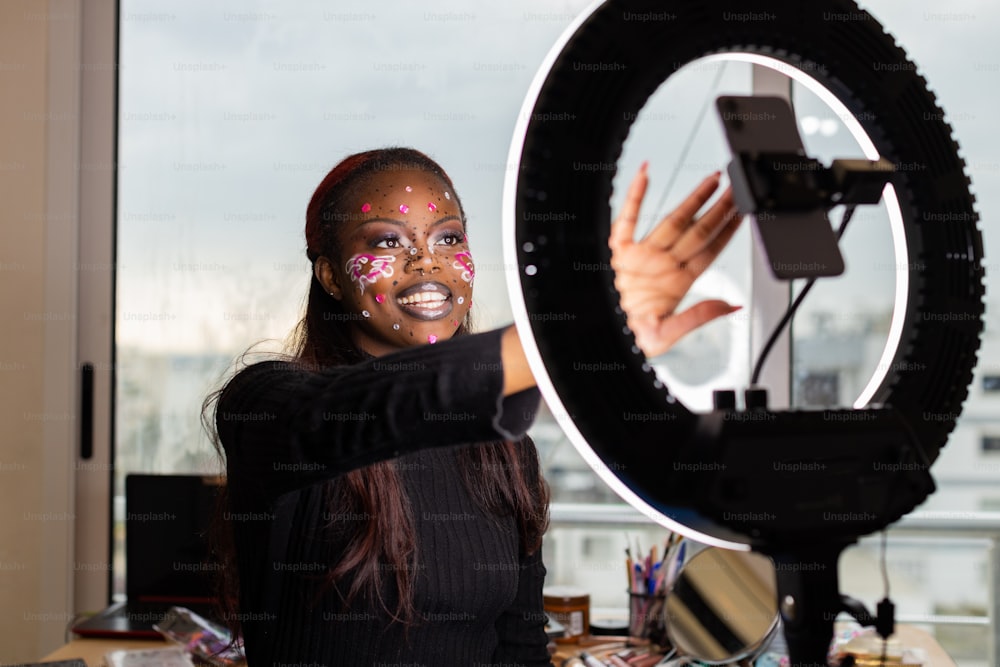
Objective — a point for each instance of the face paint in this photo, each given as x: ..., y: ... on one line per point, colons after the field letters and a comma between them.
x: 406, y: 224
x: 463, y: 262
x: 366, y: 268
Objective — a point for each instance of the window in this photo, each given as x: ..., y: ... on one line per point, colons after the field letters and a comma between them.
x: 231, y: 112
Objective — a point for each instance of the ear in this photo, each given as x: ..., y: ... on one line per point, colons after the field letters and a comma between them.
x: 328, y: 278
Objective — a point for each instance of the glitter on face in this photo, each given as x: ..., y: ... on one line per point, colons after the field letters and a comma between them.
x: 366, y: 207
x: 413, y: 251
x: 396, y: 326
x: 408, y: 188
x: 366, y: 313
x: 431, y: 207
x: 432, y: 339
x: 461, y: 300
x: 447, y: 195
x: 379, y: 298
x: 403, y: 208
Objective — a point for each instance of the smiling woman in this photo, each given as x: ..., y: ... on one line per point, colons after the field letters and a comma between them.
x: 370, y: 558
x: 398, y: 507
x: 401, y: 236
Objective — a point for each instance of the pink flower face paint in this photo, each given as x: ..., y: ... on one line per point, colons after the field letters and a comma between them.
x: 366, y: 268
x: 403, y: 208
x: 431, y: 207
x: 463, y: 262
x: 366, y: 207
x: 379, y: 298
x: 432, y: 339
x: 408, y: 188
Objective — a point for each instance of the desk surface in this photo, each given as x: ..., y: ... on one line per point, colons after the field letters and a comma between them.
x: 910, y: 637
x: 92, y: 650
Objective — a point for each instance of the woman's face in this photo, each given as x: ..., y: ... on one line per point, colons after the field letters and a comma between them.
x: 405, y: 271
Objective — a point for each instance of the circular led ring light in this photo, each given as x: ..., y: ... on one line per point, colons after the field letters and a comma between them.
x: 574, y: 121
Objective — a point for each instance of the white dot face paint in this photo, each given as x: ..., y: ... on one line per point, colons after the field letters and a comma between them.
x: 365, y: 268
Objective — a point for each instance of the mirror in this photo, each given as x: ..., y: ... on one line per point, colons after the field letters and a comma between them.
x: 722, y: 606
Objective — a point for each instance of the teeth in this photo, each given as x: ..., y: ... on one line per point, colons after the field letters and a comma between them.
x: 422, y: 297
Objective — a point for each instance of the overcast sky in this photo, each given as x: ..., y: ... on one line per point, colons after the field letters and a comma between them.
x: 232, y: 112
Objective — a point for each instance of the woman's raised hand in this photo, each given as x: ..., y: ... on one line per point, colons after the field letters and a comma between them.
x: 653, y: 274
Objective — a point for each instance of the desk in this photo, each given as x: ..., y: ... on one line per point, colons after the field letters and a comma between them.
x: 92, y: 650
x: 909, y: 635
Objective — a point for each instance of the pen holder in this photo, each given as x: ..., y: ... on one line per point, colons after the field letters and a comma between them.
x: 645, y: 617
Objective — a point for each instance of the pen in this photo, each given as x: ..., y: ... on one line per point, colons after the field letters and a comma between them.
x: 675, y: 564
x: 590, y: 660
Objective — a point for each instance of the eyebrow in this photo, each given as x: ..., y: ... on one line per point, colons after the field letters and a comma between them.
x: 402, y: 223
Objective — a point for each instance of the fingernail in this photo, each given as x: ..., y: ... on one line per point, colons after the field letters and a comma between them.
x: 644, y: 166
x: 717, y: 174
x: 733, y: 309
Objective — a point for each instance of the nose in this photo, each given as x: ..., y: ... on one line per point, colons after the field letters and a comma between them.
x: 421, y: 262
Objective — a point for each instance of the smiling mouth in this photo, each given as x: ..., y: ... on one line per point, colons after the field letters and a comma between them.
x: 425, y: 301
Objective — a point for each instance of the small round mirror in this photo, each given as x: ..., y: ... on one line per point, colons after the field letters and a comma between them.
x: 722, y: 606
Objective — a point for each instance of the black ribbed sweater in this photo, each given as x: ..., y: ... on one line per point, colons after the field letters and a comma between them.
x: 287, y: 430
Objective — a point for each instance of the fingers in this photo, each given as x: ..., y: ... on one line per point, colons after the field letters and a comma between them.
x: 721, y: 217
x: 670, y: 229
x: 672, y: 329
x: 623, y: 230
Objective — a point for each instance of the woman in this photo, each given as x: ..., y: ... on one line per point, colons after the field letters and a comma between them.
x: 385, y: 504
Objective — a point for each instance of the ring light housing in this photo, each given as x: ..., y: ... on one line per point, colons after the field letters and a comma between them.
x: 774, y: 480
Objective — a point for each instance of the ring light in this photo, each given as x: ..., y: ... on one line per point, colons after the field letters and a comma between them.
x: 794, y: 484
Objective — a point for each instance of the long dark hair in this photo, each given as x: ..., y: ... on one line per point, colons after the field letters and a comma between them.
x: 503, y: 477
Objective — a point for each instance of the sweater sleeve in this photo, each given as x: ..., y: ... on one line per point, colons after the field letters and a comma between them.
x: 285, y: 427
x: 521, y: 627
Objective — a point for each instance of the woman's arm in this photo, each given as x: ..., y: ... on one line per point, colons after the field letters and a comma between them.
x: 516, y: 373
x: 286, y: 427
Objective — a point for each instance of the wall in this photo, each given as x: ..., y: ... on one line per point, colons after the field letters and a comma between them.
x: 39, y: 55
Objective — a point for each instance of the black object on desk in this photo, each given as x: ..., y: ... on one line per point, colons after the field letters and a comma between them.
x: 167, y: 518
